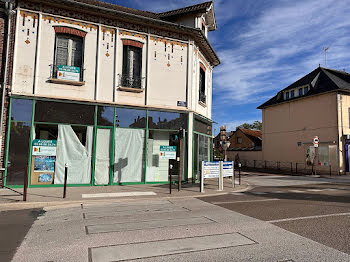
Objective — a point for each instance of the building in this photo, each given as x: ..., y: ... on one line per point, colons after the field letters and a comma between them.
x: 103, y: 88
x: 246, y: 139
x: 317, y: 105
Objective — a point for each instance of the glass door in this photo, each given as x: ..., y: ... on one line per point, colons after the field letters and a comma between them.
x: 103, y: 156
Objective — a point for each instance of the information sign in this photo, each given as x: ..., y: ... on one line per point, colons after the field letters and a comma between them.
x: 227, y: 169
x: 211, y: 169
x: 167, y: 152
x: 43, y: 147
x: 71, y: 73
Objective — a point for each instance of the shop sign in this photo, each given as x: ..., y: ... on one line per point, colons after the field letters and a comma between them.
x: 211, y: 169
x: 71, y: 73
x: 227, y: 169
x: 167, y: 152
x: 43, y: 147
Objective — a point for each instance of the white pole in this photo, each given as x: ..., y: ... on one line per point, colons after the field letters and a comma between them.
x: 202, y: 178
x: 221, y: 180
x: 233, y: 174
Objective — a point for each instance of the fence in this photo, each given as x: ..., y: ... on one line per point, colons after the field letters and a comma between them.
x: 293, y: 168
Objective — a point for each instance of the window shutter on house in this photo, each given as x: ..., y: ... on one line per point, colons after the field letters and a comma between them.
x: 62, y: 50
x: 76, y: 52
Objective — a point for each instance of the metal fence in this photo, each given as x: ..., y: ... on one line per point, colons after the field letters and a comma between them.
x: 294, y: 168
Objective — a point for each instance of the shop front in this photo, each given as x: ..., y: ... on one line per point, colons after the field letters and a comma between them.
x: 101, y: 144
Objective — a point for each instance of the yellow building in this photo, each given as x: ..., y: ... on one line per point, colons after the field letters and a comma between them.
x: 317, y: 105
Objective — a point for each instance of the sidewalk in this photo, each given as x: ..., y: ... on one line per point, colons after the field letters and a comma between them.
x: 42, y: 197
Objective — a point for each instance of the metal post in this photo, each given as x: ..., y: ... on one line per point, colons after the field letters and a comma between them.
x: 291, y: 168
x: 65, y: 180
x: 25, y: 184
x: 330, y: 170
x: 221, y: 175
x: 254, y: 164
x: 233, y: 174
x: 296, y: 168
x: 202, y: 178
x: 179, y: 186
x: 239, y: 174
x: 265, y: 164
x: 170, y: 177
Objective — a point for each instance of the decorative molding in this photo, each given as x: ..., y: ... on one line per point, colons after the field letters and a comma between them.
x: 123, y: 33
x: 167, y: 41
x: 108, y: 29
x: 69, y: 30
x: 68, y: 21
x: 132, y: 43
x: 202, y: 66
x: 26, y: 13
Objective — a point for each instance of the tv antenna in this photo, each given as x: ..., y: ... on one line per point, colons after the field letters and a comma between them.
x: 325, y: 49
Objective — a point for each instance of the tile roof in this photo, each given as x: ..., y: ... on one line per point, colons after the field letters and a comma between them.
x: 252, y: 132
x: 202, y: 7
x: 320, y: 80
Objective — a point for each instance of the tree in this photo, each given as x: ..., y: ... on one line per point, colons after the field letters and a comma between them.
x: 256, y: 125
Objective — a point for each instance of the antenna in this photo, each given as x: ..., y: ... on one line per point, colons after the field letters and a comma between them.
x: 325, y: 49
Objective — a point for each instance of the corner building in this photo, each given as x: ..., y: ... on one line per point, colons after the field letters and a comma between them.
x: 102, y: 87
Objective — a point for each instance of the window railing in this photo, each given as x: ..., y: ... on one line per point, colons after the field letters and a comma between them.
x: 131, y: 81
x: 66, y: 73
x: 202, y: 97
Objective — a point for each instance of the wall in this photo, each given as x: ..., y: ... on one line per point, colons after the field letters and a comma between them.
x: 246, y: 142
x: 244, y: 155
x: 286, y: 124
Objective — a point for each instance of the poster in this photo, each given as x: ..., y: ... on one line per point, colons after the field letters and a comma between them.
x: 43, y: 147
x: 45, y: 178
x: 167, y: 152
x: 71, y: 73
x: 44, y: 163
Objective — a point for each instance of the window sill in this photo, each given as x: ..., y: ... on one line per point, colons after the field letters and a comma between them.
x: 202, y: 104
x: 130, y: 89
x: 66, y: 82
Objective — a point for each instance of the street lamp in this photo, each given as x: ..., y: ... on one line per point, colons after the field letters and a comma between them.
x: 225, y: 145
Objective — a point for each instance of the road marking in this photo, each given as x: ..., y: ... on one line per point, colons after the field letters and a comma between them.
x: 309, y: 217
x: 296, y: 191
x: 258, y: 193
x: 121, y: 194
x: 245, y: 201
x: 315, y: 190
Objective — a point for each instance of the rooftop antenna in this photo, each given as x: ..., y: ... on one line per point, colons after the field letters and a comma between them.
x: 325, y: 49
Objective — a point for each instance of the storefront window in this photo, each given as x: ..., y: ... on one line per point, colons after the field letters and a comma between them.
x: 105, y: 116
x: 203, y: 127
x: 166, y: 120
x: 21, y: 110
x: 55, y: 112
x: 18, y: 153
x: 133, y: 118
x: 201, y: 153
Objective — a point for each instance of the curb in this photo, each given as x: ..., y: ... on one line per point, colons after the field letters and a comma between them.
x: 77, y: 203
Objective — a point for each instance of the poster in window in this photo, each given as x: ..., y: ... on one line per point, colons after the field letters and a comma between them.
x: 44, y: 163
x: 71, y: 73
x: 45, y: 178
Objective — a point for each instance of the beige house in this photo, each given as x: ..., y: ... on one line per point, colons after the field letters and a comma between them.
x: 105, y: 89
x: 317, y: 105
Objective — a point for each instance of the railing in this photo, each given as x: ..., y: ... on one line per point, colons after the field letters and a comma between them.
x: 131, y: 81
x: 202, y: 97
x: 54, y: 74
x: 281, y: 167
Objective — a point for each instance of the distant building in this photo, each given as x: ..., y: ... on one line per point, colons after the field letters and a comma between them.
x: 246, y: 139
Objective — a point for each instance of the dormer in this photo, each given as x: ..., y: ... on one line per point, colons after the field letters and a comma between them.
x: 199, y: 16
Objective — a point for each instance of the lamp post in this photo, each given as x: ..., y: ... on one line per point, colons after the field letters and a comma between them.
x: 225, y: 145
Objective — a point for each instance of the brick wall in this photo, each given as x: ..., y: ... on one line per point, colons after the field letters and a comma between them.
x: 246, y: 142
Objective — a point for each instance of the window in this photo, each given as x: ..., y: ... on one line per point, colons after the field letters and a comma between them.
x: 69, y: 53
x: 306, y: 89
x: 201, y: 126
x: 202, y: 97
x: 239, y: 140
x: 132, y: 62
x: 300, y: 91
x: 292, y: 94
x: 166, y: 120
x: 287, y: 95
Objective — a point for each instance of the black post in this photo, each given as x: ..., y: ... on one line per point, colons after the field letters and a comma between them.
x: 65, y: 180
x: 25, y: 184
x: 170, y: 177
x: 296, y: 168
x: 180, y: 178
x: 330, y: 170
x: 265, y: 164
x: 254, y: 164
x: 291, y: 168
x: 239, y: 174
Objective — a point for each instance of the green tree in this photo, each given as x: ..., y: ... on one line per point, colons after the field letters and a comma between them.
x: 257, y: 125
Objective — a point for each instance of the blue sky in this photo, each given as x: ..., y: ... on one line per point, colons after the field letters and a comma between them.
x: 264, y: 46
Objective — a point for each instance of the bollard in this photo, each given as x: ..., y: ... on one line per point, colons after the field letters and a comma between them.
x: 170, y: 177
x: 330, y: 170
x: 254, y: 164
x: 25, y: 184
x: 296, y: 168
x: 65, y: 180
x: 291, y: 168
x: 265, y: 164
x: 239, y: 173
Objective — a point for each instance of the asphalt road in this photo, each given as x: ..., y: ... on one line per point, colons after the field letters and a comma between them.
x: 320, y: 212
x: 14, y: 226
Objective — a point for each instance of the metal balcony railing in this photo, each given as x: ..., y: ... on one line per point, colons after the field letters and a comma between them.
x: 131, y: 81
x: 202, y: 97
x: 54, y: 74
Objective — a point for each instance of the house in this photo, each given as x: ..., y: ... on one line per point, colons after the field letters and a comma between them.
x: 246, y: 139
x: 316, y: 107
x: 104, y: 90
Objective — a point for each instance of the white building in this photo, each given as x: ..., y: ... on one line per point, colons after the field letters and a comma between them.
x: 105, y: 87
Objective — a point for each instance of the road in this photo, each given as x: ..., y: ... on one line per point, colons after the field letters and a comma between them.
x: 280, y: 219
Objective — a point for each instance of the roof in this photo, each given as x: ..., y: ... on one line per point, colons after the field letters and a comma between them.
x: 319, y: 81
x: 252, y: 132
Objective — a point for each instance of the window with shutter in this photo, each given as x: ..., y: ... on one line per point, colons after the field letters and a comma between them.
x: 132, y: 62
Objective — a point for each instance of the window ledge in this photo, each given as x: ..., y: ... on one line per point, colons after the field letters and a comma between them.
x: 66, y: 82
x: 202, y: 104
x: 130, y: 89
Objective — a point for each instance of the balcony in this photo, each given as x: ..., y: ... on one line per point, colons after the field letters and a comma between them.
x: 130, y: 83
x: 202, y: 98
x: 69, y: 75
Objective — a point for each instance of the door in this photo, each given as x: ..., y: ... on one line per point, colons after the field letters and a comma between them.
x: 103, y: 156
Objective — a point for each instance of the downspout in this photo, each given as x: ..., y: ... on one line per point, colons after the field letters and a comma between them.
x: 9, y: 12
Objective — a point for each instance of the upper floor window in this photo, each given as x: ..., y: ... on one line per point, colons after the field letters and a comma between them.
x: 287, y: 95
x: 239, y: 140
x: 306, y: 89
x: 132, y: 65
x: 292, y: 94
x: 202, y: 97
x: 68, y: 57
x: 300, y: 91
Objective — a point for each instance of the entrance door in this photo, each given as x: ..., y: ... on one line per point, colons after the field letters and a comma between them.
x: 103, y: 156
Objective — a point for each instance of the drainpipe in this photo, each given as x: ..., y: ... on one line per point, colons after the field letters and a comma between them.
x: 8, y: 10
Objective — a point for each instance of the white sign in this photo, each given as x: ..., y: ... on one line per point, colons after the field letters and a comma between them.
x: 211, y: 169
x: 167, y: 152
x: 227, y: 169
x: 316, y: 141
x: 43, y: 147
x: 68, y: 73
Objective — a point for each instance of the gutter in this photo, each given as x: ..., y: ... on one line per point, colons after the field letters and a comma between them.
x: 9, y: 11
